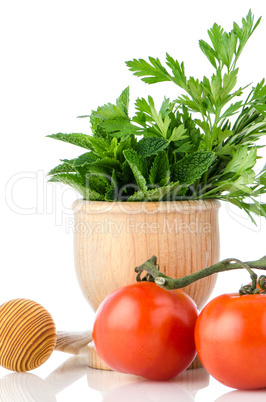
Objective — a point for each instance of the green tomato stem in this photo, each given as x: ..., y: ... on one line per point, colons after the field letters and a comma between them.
x: 153, y: 274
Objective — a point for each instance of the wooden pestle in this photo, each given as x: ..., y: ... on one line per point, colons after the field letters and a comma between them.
x: 28, y: 336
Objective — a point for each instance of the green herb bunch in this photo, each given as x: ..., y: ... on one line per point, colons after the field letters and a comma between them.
x: 201, y: 145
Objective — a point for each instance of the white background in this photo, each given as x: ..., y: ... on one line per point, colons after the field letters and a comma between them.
x: 61, y: 59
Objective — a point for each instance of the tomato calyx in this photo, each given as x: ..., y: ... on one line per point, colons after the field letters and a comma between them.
x: 258, y: 288
x: 249, y: 290
x: 151, y: 268
x: 262, y: 282
x: 154, y: 275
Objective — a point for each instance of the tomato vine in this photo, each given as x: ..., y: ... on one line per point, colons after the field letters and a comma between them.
x: 153, y: 274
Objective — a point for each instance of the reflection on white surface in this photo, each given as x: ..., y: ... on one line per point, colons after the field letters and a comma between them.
x: 108, y: 386
x: 194, y: 380
x: 21, y: 387
x: 111, y: 386
x: 105, y: 380
x: 243, y: 396
x: 120, y: 387
x: 67, y: 373
x: 27, y: 387
x: 149, y: 391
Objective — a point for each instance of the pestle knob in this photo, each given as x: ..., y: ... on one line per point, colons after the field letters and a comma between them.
x: 27, y: 335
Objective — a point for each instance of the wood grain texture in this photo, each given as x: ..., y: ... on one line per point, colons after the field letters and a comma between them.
x: 27, y: 335
x: 112, y: 238
x: 195, y: 364
x: 94, y: 360
x: 73, y: 342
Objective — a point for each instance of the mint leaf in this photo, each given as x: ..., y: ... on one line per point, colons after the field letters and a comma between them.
x: 77, y: 183
x: 111, y: 193
x: 81, y: 140
x: 167, y: 193
x: 64, y: 167
x: 84, y: 159
x: 151, y: 146
x: 96, y: 184
x: 160, y: 170
x: 97, y: 144
x: 74, y: 165
x: 127, y: 142
x: 138, y: 167
x: 127, y: 174
x: 104, y: 167
x: 192, y: 167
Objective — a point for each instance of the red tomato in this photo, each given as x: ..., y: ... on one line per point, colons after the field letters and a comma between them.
x: 230, y: 337
x: 146, y: 330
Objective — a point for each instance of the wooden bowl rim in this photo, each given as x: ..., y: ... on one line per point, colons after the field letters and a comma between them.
x: 188, y: 206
